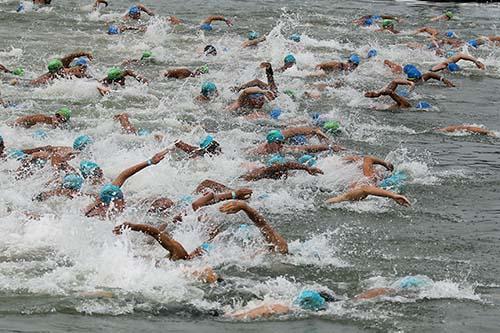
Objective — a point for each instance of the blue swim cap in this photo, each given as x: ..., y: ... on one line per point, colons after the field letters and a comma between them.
x: 207, y: 247
x: 110, y: 192
x: 395, y: 180
x: 275, y: 113
x: 143, y: 132
x: 275, y: 136
x: 295, y: 37
x: 134, y: 10
x: 17, y: 154
x: 82, y: 61
x: 453, y: 67
x: 298, y: 140
x: 355, y: 59
x: 308, y: 160
x: 208, y: 89
x: 450, y: 34
x: 290, y: 59
x: 253, y: 35
x: 113, y: 30
x: 310, y: 300
x: 368, y: 22
x: 72, y: 181
x: 450, y: 54
x: 423, y: 105
x: 20, y: 8
x: 412, y: 282
x: 414, y: 74
x: 275, y: 159
x: 473, y: 43
x: 408, y: 67
x: 372, y: 53
x: 82, y: 142
x: 206, y: 142
x: 87, y: 168
x: 40, y: 134
x: 206, y: 27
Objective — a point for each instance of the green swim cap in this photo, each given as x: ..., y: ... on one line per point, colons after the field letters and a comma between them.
x: 115, y: 73
x: 275, y: 136
x: 19, y: 71
x: 331, y: 126
x: 449, y: 14
x: 55, y: 65
x: 203, y: 69
x: 65, y: 113
x: 146, y: 55
x: 387, y: 23
x: 289, y: 92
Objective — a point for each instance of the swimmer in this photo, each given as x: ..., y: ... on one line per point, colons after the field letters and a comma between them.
x: 210, y: 50
x: 114, y: 29
x: 278, y: 169
x: 388, y: 26
x: 206, y: 24
x: 253, y: 97
x: 134, y: 12
x: 183, y: 73
x: 389, y: 90
x: 253, y: 39
x: 208, y: 146
x: 451, y: 63
x: 62, y: 116
x: 414, y: 75
x: 123, y: 119
x: 270, y: 85
x: 118, y: 75
x: 337, y: 66
x: 428, y: 30
x: 467, y: 128
x: 147, y: 57
x: 69, y: 187
x: 446, y: 16
x: 288, y: 62
x: 208, y: 92
x: 368, y: 20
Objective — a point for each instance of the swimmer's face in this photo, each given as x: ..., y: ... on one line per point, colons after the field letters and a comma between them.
x: 370, y: 94
x: 160, y: 206
x: 119, y: 205
x: 60, y: 118
x: 135, y: 16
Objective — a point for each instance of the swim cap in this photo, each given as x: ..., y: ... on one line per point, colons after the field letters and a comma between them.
x: 423, y: 105
x: 355, y: 59
x: 387, y: 23
x: 408, y: 67
x: 72, y: 181
x: 310, y: 300
x: 115, y: 73
x: 275, y: 136
x: 19, y: 71
x: 87, y: 168
x: 206, y: 142
x: 210, y: 50
x: 54, y: 65
x: 143, y: 132
x: 134, y: 10
x: 82, y: 61
x: 65, y: 113
x: 453, y: 67
x: 449, y: 14
x: 395, y: 180
x: 289, y: 92
x: 308, y: 160
x: 289, y: 59
x: 331, y: 126
x: 203, y: 69
x: 298, y: 140
x: 40, y: 134
x: 206, y: 27
x: 473, y: 43
x: 110, y: 192
x: 371, y: 53
x: 207, y: 247
x: 20, y: 7
x: 275, y: 159
x: 414, y: 74
x: 275, y: 113
x: 146, y: 55
x: 368, y: 21
x: 82, y: 142
x: 295, y: 37
x: 253, y: 35
x: 17, y: 154
x: 113, y: 30
x: 450, y: 34
x: 208, y: 89
x: 450, y: 54
x: 412, y: 282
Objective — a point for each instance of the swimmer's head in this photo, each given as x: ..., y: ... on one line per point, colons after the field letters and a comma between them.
x: 82, y: 142
x: 408, y: 67
x: 253, y: 35
x: 210, y: 145
x: 210, y: 50
x: 19, y: 71
x: 275, y: 159
x: 275, y: 136
x: 450, y: 54
x: 72, y: 181
x: 451, y: 34
x: 331, y: 126
x: 387, y: 24
x: 16, y: 154
x: 206, y: 27
x: 206, y: 142
x: 473, y: 43
x: 414, y: 74
x: 453, y: 67
x: 113, y: 30
x: 307, y: 160
x: 54, y: 65
x: 109, y: 193
x: 115, y: 73
x: 354, y: 59
x: 371, y: 53
x: 368, y: 22
x: 208, y: 89
x: 310, y: 300
x: 290, y: 59
x: 143, y: 132
x: 146, y: 55
x: 412, y: 282
x: 449, y: 14
x: 161, y: 206
x: 90, y: 169
x: 295, y: 37
x: 134, y: 12
x: 423, y: 105
x: 64, y: 114
x: 202, y: 69
x: 276, y: 113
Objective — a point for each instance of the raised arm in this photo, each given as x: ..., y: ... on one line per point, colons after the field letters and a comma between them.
x: 177, y: 251
x: 145, y: 9
x: 394, y: 84
x: 126, y: 174
x: 369, y: 161
x: 125, y: 123
x: 255, y: 90
x: 212, y: 18
x: 67, y: 59
x: 98, y: 2
x: 272, y: 236
x: 466, y: 57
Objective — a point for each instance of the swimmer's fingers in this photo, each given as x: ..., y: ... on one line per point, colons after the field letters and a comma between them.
x: 402, y: 200
x: 480, y: 65
x: 119, y: 228
x: 231, y: 207
x: 244, y: 193
x: 315, y: 171
x: 159, y: 157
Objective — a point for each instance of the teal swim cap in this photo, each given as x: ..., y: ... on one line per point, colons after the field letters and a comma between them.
x: 394, y: 181
x: 253, y: 35
x: 289, y: 92
x: 143, y: 132
x: 275, y: 159
x: 208, y: 89
x: 310, y: 300
x: 412, y: 282
x: 82, y: 142
x: 295, y: 37
x: 207, y: 247
x: 206, y: 142
x: 290, y: 59
x: 88, y: 168
x: 17, y: 154
x: 275, y: 136
x: 110, y: 192
x: 72, y: 181
x: 203, y: 69
x: 54, y: 65
x: 307, y: 160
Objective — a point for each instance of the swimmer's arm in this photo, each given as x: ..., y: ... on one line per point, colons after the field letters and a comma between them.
x: 4, y: 69
x: 212, y: 198
x: 37, y: 149
x: 185, y: 147
x: 136, y: 76
x: 126, y: 174
x: 266, y: 310
x: 211, y: 185
x: 394, y: 67
x: 362, y: 192
x: 428, y: 30
x: 462, y: 56
x: 394, y: 84
x: 401, y: 101
x: 288, y: 133
x: 66, y: 60
x: 368, y: 163
x: 212, y: 18
x: 313, y: 148
x: 177, y: 251
x: 98, y: 2
x: 277, y: 170
x: 429, y: 75
x: 330, y: 65
x: 62, y: 192
x: 372, y: 293
x: 271, y: 236
x: 145, y: 9
x: 125, y: 123
x: 253, y: 83
x: 254, y: 42
x: 470, y: 129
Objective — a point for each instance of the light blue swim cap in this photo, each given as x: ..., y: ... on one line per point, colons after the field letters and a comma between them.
x: 207, y: 247
x: 355, y: 59
x: 450, y: 34
x: 473, y: 43
x: 206, y: 27
x: 275, y: 113
x: 408, y: 67
x: 310, y: 300
x: 275, y: 136
x: 298, y: 140
x: 40, y: 134
x: 295, y: 37
x: 72, y: 181
x: 134, y: 10
x: 423, y: 105
x: 394, y: 181
x: 253, y: 35
x: 110, y: 192
x: 82, y: 61
x: 206, y: 142
x: 453, y: 67
x: 87, y: 168
x: 412, y: 282
x: 275, y: 159
x: 290, y: 59
x: 308, y: 160
x: 143, y: 132
x: 113, y: 30
x: 82, y: 142
x: 208, y: 89
x: 372, y: 53
x: 17, y: 154
x: 450, y: 54
x: 414, y: 74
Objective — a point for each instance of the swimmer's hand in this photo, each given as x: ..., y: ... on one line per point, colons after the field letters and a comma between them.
x: 243, y: 193
x: 314, y: 171
x: 119, y: 228
x: 480, y: 65
x: 402, y: 200
x: 233, y: 207
x: 158, y: 157
x: 229, y: 22
x: 265, y: 65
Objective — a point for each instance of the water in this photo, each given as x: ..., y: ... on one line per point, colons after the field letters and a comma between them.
x: 49, y: 268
